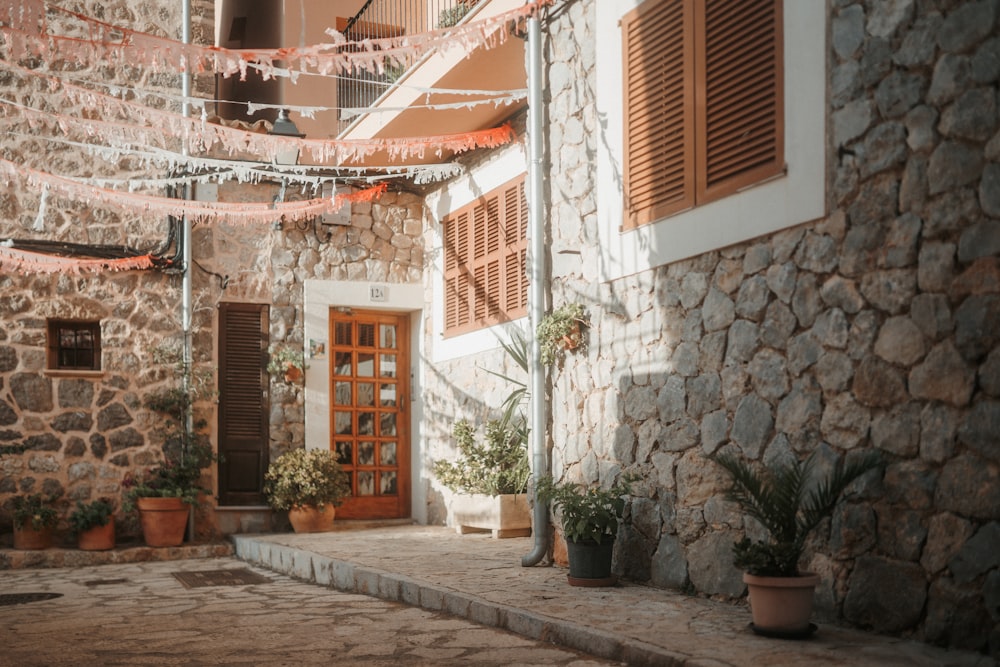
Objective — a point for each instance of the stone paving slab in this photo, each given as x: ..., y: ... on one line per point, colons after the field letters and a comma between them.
x: 480, y: 578
x: 125, y: 615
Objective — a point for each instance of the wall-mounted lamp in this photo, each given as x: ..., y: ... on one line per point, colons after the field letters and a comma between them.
x: 284, y: 127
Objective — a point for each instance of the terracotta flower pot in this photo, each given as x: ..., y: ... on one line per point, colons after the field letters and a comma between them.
x: 310, y: 519
x: 164, y: 521
x: 781, y: 606
x: 292, y: 373
x: 98, y: 538
x: 27, y: 538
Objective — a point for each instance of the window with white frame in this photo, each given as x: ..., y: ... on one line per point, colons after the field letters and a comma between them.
x: 720, y: 136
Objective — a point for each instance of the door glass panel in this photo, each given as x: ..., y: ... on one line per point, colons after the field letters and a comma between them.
x: 342, y: 423
x: 344, y: 453
x: 366, y: 483
x: 342, y: 363
x: 387, y: 395
x: 387, y: 366
x: 387, y: 483
x: 387, y: 335
x: 342, y: 333
x: 366, y: 394
x: 342, y: 393
x: 366, y: 453
x: 366, y: 335
x: 388, y: 424
x: 366, y: 423
x: 366, y: 365
x: 387, y: 454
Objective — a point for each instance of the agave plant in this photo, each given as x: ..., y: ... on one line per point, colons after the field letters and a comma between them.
x: 789, y: 504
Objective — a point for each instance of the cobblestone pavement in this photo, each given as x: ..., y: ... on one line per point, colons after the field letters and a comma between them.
x: 141, y: 614
x: 481, y: 578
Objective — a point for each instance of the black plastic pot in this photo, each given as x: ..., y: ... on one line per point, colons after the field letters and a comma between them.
x: 590, y: 562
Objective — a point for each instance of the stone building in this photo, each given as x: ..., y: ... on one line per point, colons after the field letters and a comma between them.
x: 839, y: 298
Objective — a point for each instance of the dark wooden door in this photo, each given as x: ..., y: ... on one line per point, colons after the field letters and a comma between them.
x: 243, y: 403
x: 369, y: 411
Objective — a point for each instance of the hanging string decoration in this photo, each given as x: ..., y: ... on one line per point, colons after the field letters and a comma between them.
x: 24, y: 262
x: 25, y: 30
x: 197, y: 211
x: 165, y: 129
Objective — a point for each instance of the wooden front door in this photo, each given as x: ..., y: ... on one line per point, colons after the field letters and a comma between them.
x: 369, y: 413
x: 243, y: 403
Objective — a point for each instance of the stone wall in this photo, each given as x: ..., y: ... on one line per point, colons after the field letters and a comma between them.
x: 83, y: 432
x: 873, y: 328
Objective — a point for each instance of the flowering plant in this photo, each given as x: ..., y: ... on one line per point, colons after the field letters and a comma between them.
x: 34, y: 511
x: 305, y: 477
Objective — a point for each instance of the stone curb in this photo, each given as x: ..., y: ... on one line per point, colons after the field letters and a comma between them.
x: 15, y: 559
x: 351, y: 578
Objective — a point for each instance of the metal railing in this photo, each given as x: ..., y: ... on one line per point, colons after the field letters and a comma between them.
x: 379, y: 19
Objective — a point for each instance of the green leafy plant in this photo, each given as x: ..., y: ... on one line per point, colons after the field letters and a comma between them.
x: 284, y: 357
x: 91, y: 515
x: 305, y: 477
x: 178, y: 476
x: 176, y: 402
x: 588, y: 514
x: 452, y: 15
x: 34, y: 510
x: 494, y: 466
x: 560, y: 329
x: 788, y: 503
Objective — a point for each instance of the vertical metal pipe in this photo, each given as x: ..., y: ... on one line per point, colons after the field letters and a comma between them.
x: 536, y: 281
x: 185, y: 239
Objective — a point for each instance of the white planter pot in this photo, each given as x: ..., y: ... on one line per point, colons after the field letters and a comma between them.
x: 505, y: 515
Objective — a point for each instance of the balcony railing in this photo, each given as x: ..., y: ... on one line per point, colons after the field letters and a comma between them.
x: 379, y: 19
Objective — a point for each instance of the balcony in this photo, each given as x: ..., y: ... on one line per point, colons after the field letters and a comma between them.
x: 363, y: 105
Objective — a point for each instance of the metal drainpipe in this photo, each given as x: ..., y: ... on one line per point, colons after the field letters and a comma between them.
x: 536, y: 294
x: 185, y: 239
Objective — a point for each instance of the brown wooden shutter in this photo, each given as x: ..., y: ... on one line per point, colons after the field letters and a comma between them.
x: 740, y: 107
x: 485, y: 245
x: 243, y: 406
x: 658, y: 43
x: 704, y: 102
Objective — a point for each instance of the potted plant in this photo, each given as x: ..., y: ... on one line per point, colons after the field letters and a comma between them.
x: 165, y: 493
x: 589, y: 521
x: 560, y: 330
x: 286, y: 362
x: 34, y: 521
x: 789, y: 503
x: 94, y: 525
x: 309, y: 483
x: 490, y: 478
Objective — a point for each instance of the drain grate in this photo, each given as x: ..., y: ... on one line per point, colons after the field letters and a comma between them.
x: 8, y: 599
x: 233, y: 577
x: 104, y: 582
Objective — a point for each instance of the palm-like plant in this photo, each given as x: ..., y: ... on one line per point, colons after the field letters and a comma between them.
x: 789, y: 504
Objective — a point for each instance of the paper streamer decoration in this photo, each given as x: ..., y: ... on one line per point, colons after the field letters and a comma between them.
x: 196, y: 136
x: 196, y: 211
x: 24, y: 262
x: 26, y: 31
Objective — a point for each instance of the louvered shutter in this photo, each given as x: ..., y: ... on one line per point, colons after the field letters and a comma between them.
x: 740, y: 107
x: 703, y: 102
x: 485, y: 245
x: 243, y: 406
x: 658, y: 79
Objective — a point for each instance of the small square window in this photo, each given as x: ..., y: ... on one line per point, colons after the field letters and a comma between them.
x: 74, y: 345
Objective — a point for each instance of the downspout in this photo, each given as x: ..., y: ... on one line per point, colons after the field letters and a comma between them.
x: 536, y: 290
x: 185, y: 240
